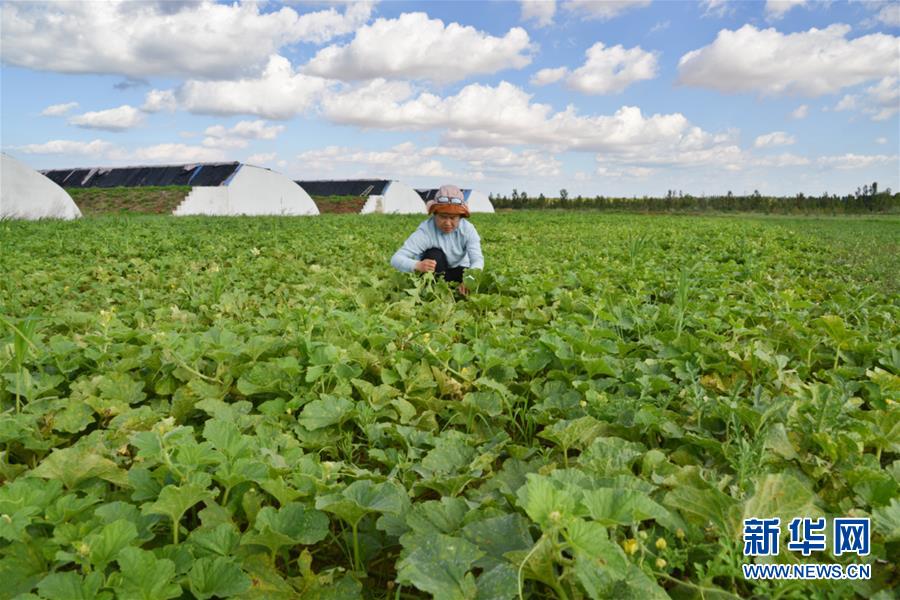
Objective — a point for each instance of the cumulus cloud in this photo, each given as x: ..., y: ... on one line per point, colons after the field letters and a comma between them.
x: 776, y: 138
x: 92, y: 148
x: 402, y: 159
x: 881, y: 140
x: 137, y: 39
x: 611, y: 70
x: 261, y: 158
x: 240, y: 135
x: 605, y: 71
x: 776, y: 9
x: 856, y: 161
x: 605, y: 10
x: 250, y: 130
x: 413, y: 46
x: 781, y: 160
x: 279, y: 93
x: 481, y: 115
x: 548, y: 76
x: 539, y: 11
x: 58, y: 110
x: 800, y: 112
x: 429, y: 161
x: 114, y: 119
x: 812, y: 63
x: 159, y: 100
x: 177, y: 153
x: 880, y: 101
x: 889, y: 15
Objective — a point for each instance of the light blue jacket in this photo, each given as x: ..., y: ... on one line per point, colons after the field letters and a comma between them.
x: 462, y: 247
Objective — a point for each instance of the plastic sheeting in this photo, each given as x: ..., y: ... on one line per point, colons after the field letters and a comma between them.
x: 207, y: 174
x: 251, y: 191
x: 344, y: 187
x: 26, y: 194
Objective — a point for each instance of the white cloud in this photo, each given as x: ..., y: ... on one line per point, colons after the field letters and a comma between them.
x: 489, y: 116
x: 890, y: 15
x: 856, y: 161
x: 113, y: 119
x: 239, y: 135
x: 611, y: 70
x: 261, y: 158
x: 603, y: 10
x: 776, y: 138
x: 138, y: 39
x: 501, y: 160
x: 884, y: 98
x: 848, y: 102
x: 58, y: 110
x: 881, y: 140
x: 402, y: 159
x: 539, y: 11
x: 279, y: 93
x: 177, y: 153
x: 780, y: 160
x: 159, y: 100
x: 413, y: 46
x: 880, y: 101
x: 548, y: 76
x: 812, y: 63
x: 800, y: 112
x: 92, y: 148
x: 660, y: 26
x: 776, y: 9
x: 408, y: 159
x: 715, y: 8
x: 250, y: 130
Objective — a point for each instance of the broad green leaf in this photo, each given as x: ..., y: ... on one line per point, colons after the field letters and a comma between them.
x: 144, y: 577
x: 616, y: 506
x: 174, y: 501
x: 546, y: 502
x: 292, y: 524
x: 439, y: 565
x: 78, y: 463
x: 217, y: 577
x: 781, y: 495
x: 591, y: 545
x: 496, y: 536
x: 109, y: 541
x: 220, y: 540
x: 499, y: 583
x: 573, y: 434
x: 69, y: 585
x: 326, y: 411
x: 363, y: 497
x: 886, y: 521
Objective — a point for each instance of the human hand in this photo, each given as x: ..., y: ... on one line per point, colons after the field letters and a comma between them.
x: 425, y: 266
x: 463, y: 289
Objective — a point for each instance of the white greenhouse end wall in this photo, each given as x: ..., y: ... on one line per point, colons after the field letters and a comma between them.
x: 479, y: 202
x: 26, y: 194
x: 251, y: 191
x: 397, y: 199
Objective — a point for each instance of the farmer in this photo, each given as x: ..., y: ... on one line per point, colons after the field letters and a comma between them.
x: 446, y: 244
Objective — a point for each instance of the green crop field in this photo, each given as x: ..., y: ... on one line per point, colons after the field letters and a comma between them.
x: 262, y: 408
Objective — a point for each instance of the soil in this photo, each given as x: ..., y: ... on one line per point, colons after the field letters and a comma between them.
x: 146, y: 200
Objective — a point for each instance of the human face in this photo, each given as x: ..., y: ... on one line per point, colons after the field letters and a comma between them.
x: 446, y: 223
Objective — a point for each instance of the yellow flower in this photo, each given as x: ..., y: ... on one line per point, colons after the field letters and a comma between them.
x: 660, y: 563
x: 660, y: 543
x: 630, y: 546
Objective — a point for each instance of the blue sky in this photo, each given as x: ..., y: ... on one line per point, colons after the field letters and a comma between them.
x: 616, y: 97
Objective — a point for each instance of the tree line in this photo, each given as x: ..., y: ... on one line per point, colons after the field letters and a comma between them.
x: 867, y: 199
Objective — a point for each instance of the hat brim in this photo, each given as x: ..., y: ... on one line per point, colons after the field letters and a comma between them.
x: 449, y: 209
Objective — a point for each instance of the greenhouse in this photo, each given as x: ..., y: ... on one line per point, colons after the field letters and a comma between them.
x: 26, y: 194
x: 215, y: 188
x: 479, y: 202
x: 380, y: 196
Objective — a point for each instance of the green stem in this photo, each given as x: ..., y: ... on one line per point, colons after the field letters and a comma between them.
x: 357, y: 564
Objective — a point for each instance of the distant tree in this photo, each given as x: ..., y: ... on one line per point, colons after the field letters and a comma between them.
x: 729, y: 194
x: 515, y: 194
x: 874, y: 188
x: 865, y: 190
x: 563, y: 194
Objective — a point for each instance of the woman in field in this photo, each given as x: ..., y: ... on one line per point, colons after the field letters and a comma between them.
x: 446, y: 244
